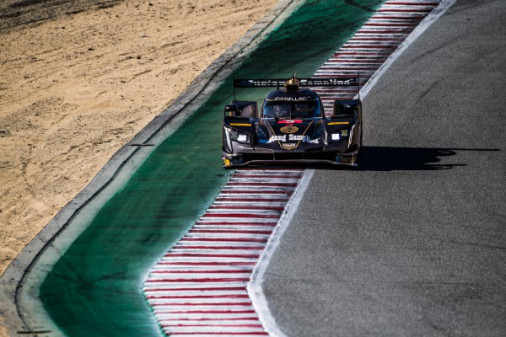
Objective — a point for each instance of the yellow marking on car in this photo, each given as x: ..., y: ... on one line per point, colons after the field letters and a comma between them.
x: 240, y: 124
x: 338, y: 123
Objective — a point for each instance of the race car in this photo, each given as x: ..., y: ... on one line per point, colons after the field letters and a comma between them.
x: 291, y: 125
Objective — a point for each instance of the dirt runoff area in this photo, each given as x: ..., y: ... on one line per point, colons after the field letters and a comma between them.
x: 80, y: 78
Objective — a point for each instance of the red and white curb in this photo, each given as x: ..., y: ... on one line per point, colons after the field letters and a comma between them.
x: 371, y: 46
x: 199, y: 288
x: 202, y: 285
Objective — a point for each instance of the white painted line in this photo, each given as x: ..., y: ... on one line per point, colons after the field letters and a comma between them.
x: 255, y: 285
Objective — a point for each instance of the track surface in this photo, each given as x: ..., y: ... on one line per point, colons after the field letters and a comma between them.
x: 414, y: 242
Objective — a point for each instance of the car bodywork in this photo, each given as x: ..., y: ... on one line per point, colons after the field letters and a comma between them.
x: 291, y: 125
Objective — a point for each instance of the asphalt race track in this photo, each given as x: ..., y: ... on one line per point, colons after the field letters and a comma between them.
x: 413, y: 243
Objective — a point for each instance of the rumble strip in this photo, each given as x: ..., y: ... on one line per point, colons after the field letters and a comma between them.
x: 199, y: 288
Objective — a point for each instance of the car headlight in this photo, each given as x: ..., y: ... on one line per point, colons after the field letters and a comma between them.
x: 335, y: 136
x: 238, y: 136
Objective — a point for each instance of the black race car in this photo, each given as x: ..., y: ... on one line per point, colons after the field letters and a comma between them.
x: 291, y: 126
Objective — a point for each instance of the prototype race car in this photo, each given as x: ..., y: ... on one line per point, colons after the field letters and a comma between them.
x: 291, y: 126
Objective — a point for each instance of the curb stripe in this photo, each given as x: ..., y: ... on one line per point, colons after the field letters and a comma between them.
x: 241, y: 223
x: 199, y: 289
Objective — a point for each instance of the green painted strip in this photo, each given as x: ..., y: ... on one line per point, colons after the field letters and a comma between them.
x: 95, y: 288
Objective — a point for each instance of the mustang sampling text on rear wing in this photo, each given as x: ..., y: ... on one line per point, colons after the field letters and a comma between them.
x: 304, y: 82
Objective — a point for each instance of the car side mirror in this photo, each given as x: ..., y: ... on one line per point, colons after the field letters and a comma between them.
x: 343, y: 108
x: 232, y: 111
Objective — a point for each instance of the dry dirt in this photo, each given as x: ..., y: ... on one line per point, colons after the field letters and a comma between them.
x: 78, y: 79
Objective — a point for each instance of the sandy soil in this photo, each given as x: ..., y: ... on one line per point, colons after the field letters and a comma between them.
x: 79, y: 79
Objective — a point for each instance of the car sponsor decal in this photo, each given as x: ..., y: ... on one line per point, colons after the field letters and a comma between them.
x: 289, y: 129
x: 293, y: 138
x: 292, y: 99
x: 275, y: 138
x: 296, y: 137
x: 289, y: 146
x: 283, y: 139
x: 290, y: 121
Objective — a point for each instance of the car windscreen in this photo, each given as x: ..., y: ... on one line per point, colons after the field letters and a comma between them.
x: 290, y: 109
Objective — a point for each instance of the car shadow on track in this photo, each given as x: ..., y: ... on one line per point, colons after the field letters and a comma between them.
x: 389, y: 158
x: 384, y: 158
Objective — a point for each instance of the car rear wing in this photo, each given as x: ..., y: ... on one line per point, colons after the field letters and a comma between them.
x: 304, y: 82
